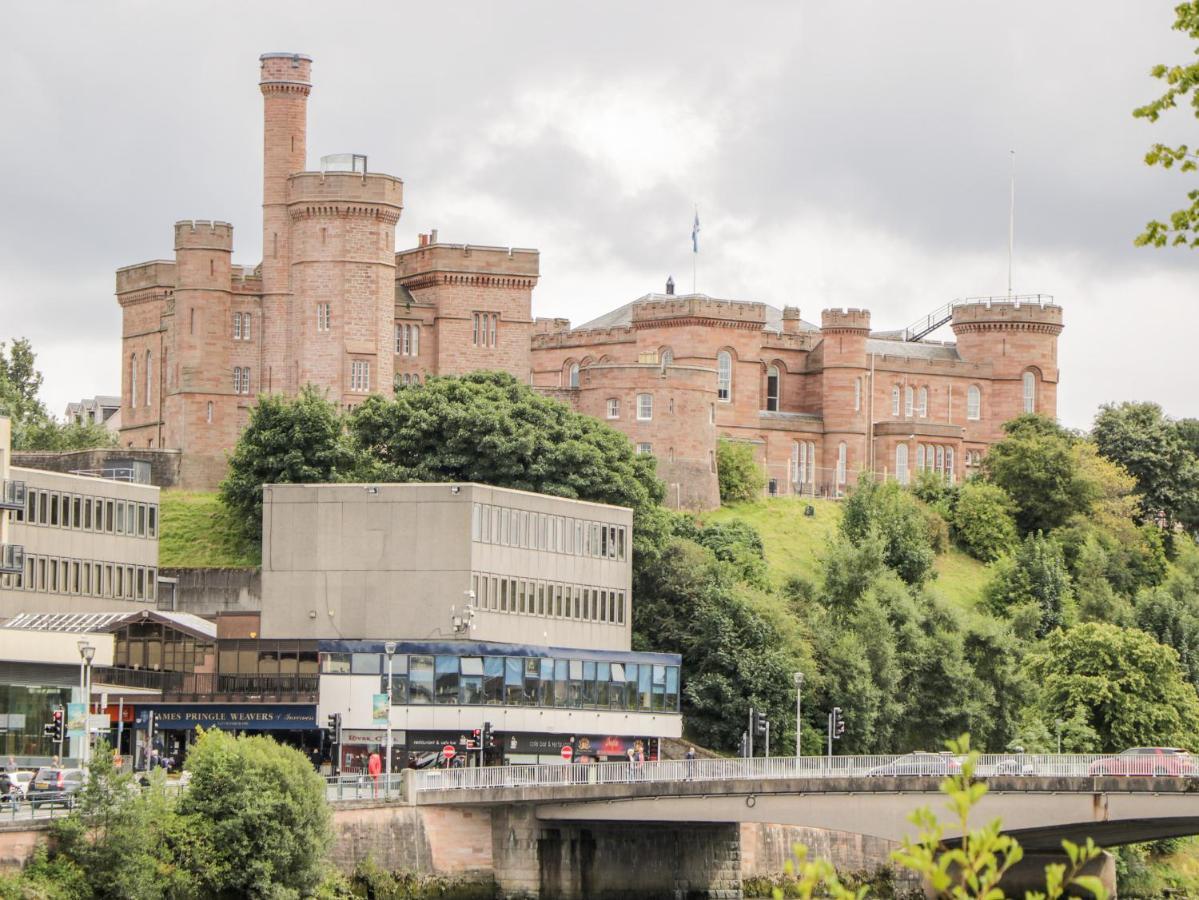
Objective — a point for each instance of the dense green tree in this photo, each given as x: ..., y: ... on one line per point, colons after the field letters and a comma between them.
x: 1140, y: 438
x: 33, y: 427
x: 1037, y: 466
x: 48, y: 434
x: 738, y: 472
x: 982, y: 520
x: 1132, y: 688
x: 1034, y: 577
x: 897, y: 516
x: 1097, y: 601
x: 288, y: 441
x: 1171, y: 613
x: 1182, y: 85
x: 256, y: 817
x: 490, y: 428
x: 733, y: 541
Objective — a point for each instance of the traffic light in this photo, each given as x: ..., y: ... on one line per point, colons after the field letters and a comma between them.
x: 54, y: 730
x: 487, y: 739
x: 334, y: 725
x: 761, y: 723
x: 838, y: 723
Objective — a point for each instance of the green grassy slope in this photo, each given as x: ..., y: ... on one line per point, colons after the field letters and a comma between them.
x: 795, y: 544
x: 196, y: 532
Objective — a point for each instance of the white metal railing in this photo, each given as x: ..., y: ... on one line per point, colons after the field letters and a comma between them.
x: 828, y: 767
x: 942, y: 314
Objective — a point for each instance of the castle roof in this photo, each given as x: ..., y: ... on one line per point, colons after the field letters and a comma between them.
x: 889, y: 343
x: 623, y: 315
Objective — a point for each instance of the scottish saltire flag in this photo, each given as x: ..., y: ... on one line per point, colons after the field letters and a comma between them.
x: 695, y: 234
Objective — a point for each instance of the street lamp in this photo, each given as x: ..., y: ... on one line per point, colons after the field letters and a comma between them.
x: 390, y: 649
x: 86, y: 653
x: 798, y: 711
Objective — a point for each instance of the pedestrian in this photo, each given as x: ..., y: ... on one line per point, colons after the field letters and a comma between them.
x: 12, y: 764
x: 632, y: 755
x: 374, y: 766
x: 55, y: 763
x: 690, y: 758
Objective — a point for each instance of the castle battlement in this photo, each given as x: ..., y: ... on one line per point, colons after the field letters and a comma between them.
x: 203, y: 234
x: 285, y: 71
x: 656, y: 307
x: 620, y: 334
x: 154, y: 273
x: 1037, y: 312
x: 845, y: 320
x: 468, y: 258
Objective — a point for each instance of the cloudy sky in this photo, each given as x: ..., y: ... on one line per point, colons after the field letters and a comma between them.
x: 840, y: 154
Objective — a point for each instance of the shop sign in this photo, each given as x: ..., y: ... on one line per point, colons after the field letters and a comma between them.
x: 371, y: 736
x: 436, y: 740
x: 585, y: 745
x: 121, y: 712
x: 229, y: 717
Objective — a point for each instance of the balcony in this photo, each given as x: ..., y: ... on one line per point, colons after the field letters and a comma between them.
x: 12, y: 559
x: 12, y: 494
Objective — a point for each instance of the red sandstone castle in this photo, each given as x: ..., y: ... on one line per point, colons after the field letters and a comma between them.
x: 333, y: 304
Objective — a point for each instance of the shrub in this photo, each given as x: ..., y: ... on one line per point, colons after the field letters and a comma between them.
x: 740, y: 476
x: 898, y: 517
x: 983, y: 524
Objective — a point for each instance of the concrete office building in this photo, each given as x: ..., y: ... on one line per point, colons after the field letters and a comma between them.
x: 73, y: 543
x: 502, y: 606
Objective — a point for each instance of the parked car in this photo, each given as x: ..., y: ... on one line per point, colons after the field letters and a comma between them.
x: 51, y: 786
x: 1146, y: 761
x: 918, y: 763
x: 21, y: 780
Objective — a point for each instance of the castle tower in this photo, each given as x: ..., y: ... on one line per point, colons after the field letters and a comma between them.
x: 844, y: 393
x: 1018, y: 339
x: 285, y: 84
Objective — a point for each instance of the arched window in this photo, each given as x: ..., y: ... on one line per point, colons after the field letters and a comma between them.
x: 237, y: 326
x: 895, y: 400
x: 133, y: 380
x: 857, y: 394
x: 724, y: 375
x: 940, y: 459
x: 667, y: 357
x: 841, y: 455
x: 149, y: 377
x: 574, y: 375
x: 416, y: 379
x: 245, y: 326
x: 907, y: 401
x: 772, y: 389
x: 237, y: 380
x: 901, y: 463
x: 1030, y: 392
x: 922, y: 403
x: 974, y: 403
x: 803, y: 463
x: 919, y: 457
x: 208, y: 416
x: 794, y: 462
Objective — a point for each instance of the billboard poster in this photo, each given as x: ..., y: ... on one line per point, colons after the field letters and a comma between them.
x: 76, y: 720
x: 380, y: 709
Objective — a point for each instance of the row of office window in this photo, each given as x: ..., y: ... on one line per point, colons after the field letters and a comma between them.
x: 241, y: 380
x: 57, y: 509
x: 418, y: 680
x: 541, y: 531
x: 484, y: 328
x: 803, y: 462
x: 84, y: 578
x: 531, y: 597
x: 935, y: 458
x: 407, y: 340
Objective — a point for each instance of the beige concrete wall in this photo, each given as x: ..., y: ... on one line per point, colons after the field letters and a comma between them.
x: 396, y: 560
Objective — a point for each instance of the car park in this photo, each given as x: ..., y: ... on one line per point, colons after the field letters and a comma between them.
x: 1146, y: 761
x: 55, y: 786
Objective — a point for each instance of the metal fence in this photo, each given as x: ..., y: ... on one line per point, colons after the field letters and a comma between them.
x: 722, y: 770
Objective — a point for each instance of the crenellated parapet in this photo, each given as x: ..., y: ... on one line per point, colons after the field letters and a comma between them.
x: 340, y: 194
x: 203, y: 234
x: 621, y: 334
x: 841, y: 320
x: 285, y: 73
x: 145, y: 281
x: 668, y: 310
x: 467, y: 264
x: 1037, y: 315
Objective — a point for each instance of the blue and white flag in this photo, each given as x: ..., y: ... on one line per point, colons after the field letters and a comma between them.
x: 695, y: 234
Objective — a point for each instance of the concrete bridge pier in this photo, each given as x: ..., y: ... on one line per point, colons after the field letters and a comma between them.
x: 1029, y: 873
x: 613, y: 861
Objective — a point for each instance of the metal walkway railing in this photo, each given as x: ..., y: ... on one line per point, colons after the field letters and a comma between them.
x: 942, y: 314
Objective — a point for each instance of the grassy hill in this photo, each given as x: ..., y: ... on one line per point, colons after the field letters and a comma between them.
x: 795, y: 544
x: 196, y: 531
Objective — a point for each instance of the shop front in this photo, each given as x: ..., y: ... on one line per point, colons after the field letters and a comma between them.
x: 170, y: 728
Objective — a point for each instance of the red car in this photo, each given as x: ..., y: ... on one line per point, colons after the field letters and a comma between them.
x: 1147, y: 761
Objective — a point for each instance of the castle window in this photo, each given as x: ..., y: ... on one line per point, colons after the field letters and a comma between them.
x: 414, y: 345
x: 974, y: 403
x: 237, y: 326
x: 191, y: 320
x: 922, y: 403
x: 484, y: 328
x: 841, y: 461
x: 573, y: 377
x: 772, y: 389
x: 667, y: 357
x: 149, y: 377
x: 245, y: 326
x: 1030, y: 392
x: 919, y: 457
x: 724, y: 376
x: 133, y: 380
x: 794, y: 462
x: 208, y: 416
x: 857, y: 395
x: 711, y: 413
x: 907, y: 401
x: 940, y: 466
x: 324, y: 317
x: 360, y: 376
x: 613, y: 407
x: 895, y: 400
x: 645, y: 407
x: 949, y: 464
x: 645, y: 449
x: 901, y: 463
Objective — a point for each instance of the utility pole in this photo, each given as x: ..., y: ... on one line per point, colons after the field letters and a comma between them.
x: 798, y: 712
x: 390, y: 649
x: 768, y: 739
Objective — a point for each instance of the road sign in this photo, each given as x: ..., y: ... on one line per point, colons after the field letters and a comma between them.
x: 567, y: 752
x: 448, y: 751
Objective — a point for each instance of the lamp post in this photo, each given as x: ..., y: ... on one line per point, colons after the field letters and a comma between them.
x: 390, y: 649
x: 86, y: 652
x: 798, y: 712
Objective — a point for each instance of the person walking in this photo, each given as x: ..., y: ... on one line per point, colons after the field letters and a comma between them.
x: 690, y: 766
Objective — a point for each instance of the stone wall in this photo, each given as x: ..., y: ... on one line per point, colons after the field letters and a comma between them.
x: 427, y: 841
x: 165, y: 465
x: 765, y: 850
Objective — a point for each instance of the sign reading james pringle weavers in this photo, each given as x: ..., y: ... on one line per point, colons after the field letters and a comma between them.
x: 230, y: 716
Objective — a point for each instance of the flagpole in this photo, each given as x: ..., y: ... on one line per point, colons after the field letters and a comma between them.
x: 1011, y: 224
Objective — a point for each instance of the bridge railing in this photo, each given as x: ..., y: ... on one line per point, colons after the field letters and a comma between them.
x: 929, y: 765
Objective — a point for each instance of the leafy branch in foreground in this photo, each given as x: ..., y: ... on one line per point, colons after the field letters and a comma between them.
x: 973, y: 868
